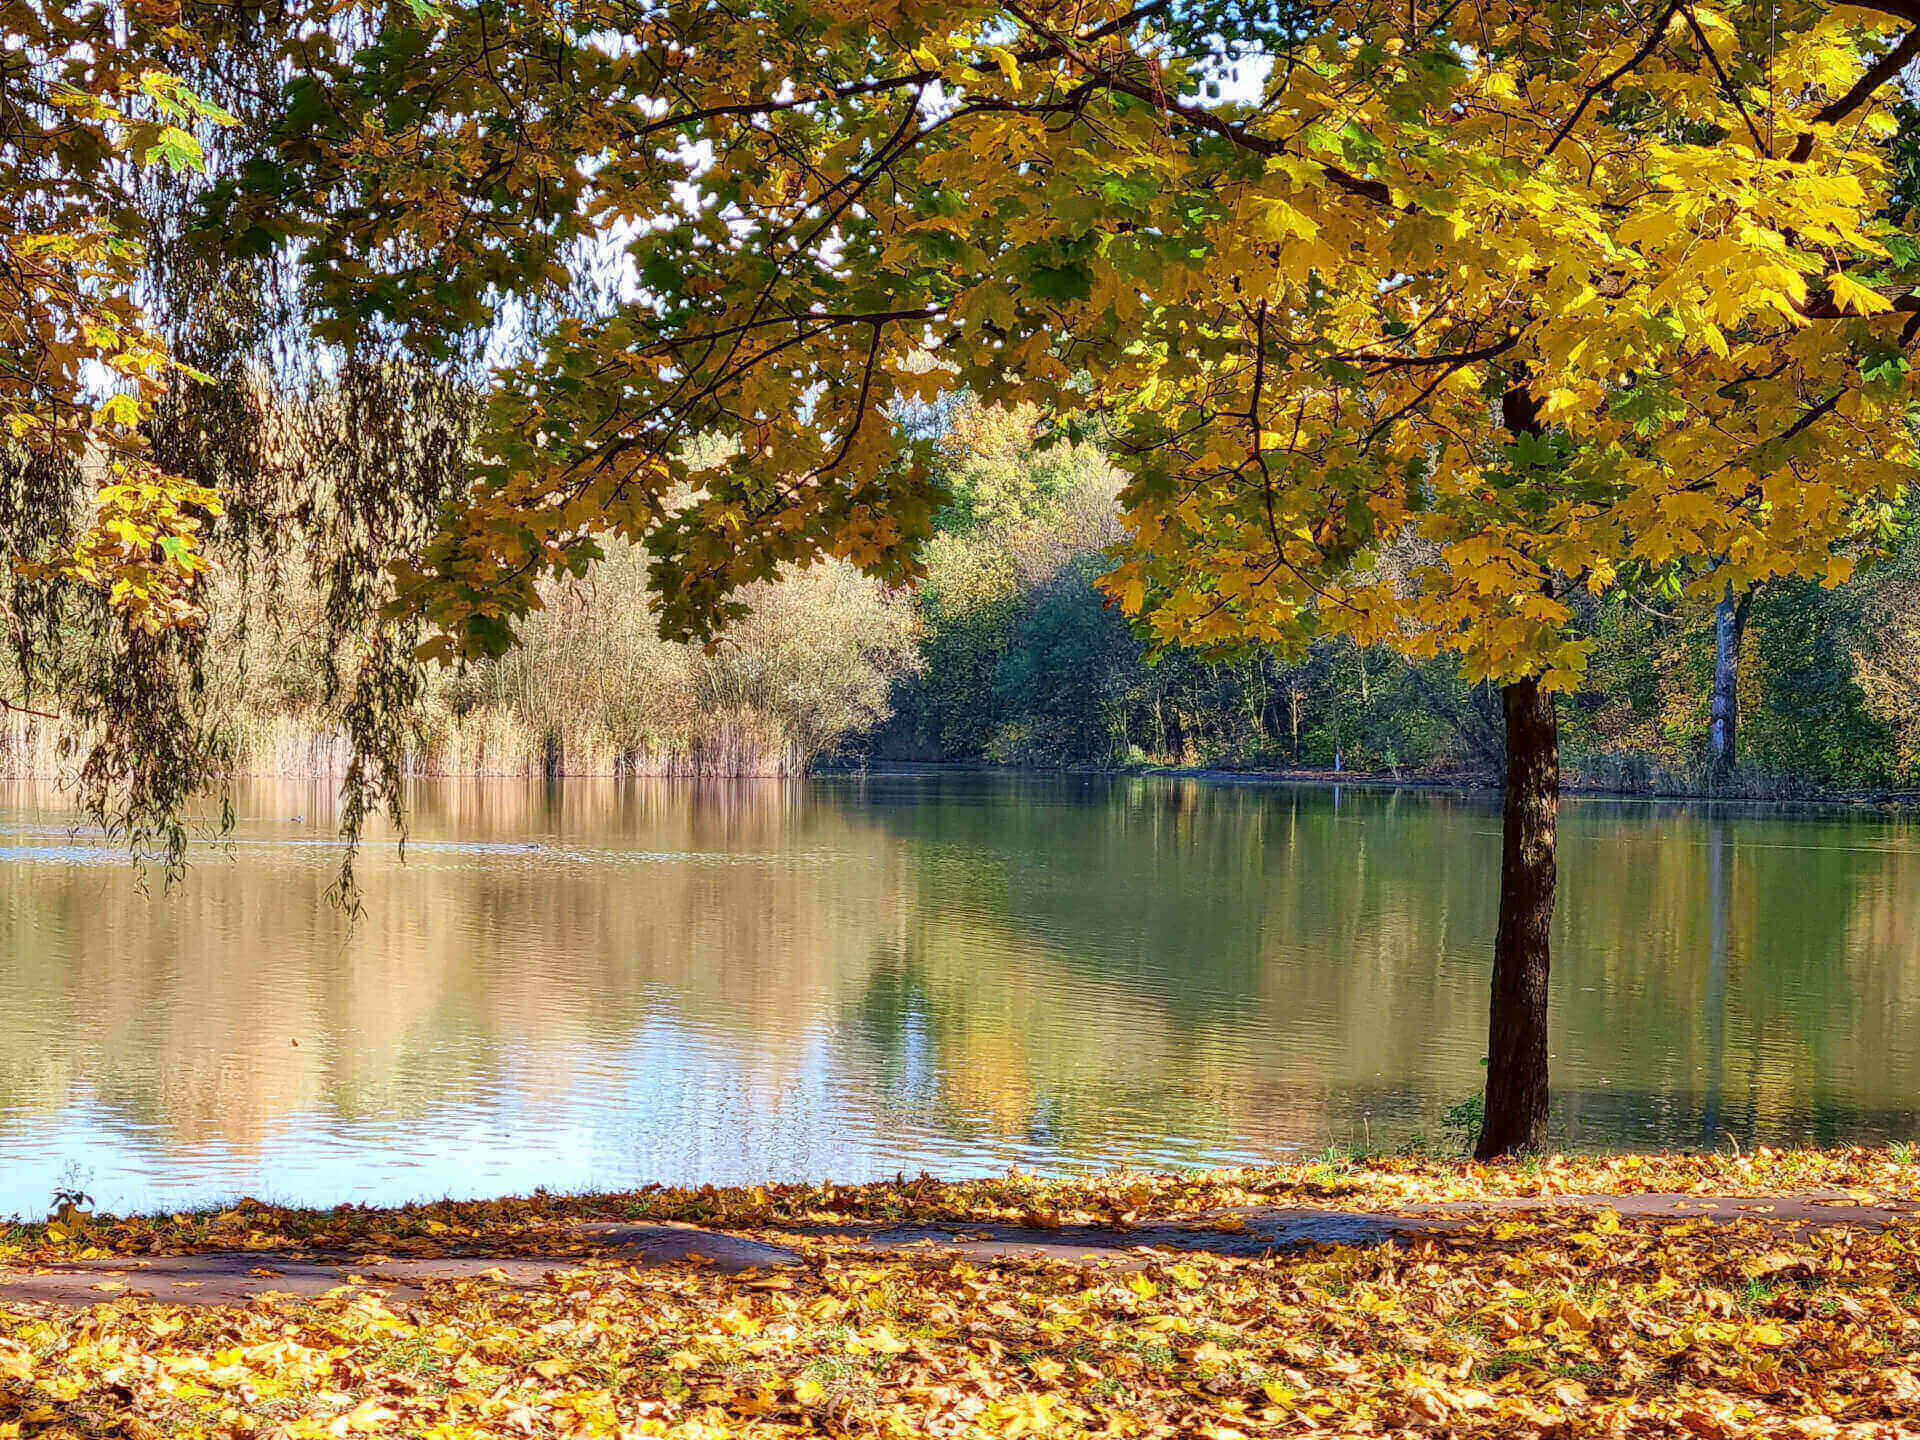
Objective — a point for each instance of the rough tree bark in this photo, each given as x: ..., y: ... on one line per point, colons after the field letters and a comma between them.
x: 1516, y: 1100
x: 1729, y: 629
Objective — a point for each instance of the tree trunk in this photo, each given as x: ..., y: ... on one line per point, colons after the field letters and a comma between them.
x: 1729, y: 628
x: 1338, y: 739
x: 1516, y: 1103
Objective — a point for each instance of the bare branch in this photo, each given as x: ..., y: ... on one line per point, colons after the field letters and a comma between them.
x: 1876, y: 75
x: 9, y: 706
x: 1652, y: 43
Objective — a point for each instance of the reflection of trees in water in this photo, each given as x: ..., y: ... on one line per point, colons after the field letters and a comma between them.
x: 1754, y: 974
x: 180, y: 1011
x: 1243, y: 962
x: 1080, y: 964
x: 1751, y: 975
x: 1714, y: 1013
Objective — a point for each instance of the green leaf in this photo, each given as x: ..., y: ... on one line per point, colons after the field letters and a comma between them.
x: 1062, y: 283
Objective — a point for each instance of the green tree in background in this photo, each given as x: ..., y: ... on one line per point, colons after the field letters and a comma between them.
x: 1812, y: 719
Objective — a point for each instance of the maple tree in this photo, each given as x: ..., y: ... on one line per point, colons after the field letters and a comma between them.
x: 1408, y: 322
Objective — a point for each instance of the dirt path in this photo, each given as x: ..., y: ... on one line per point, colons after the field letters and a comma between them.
x: 235, y: 1277
x: 228, y: 1277
x: 1261, y: 1231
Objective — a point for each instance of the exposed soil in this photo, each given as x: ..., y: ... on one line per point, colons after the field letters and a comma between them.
x: 236, y: 1277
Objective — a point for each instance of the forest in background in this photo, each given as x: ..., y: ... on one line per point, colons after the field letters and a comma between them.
x: 1021, y: 662
x: 1009, y: 653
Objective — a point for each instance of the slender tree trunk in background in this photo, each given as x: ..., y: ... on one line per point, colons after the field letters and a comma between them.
x: 1516, y: 1103
x: 1338, y: 739
x: 1729, y: 629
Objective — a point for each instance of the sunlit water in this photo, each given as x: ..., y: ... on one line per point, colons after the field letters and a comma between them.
x: 603, y: 985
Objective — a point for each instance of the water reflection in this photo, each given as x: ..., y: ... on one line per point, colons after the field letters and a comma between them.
x: 612, y: 984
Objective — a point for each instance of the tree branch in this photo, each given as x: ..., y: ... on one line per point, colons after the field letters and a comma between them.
x: 8, y: 705
x: 1199, y: 116
x: 1726, y: 82
x: 1456, y: 358
x: 860, y: 408
x: 1876, y: 75
x: 1658, y: 33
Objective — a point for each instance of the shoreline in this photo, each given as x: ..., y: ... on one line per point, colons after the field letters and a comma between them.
x: 1445, y: 782
x: 1381, y: 1182
x: 1480, y: 786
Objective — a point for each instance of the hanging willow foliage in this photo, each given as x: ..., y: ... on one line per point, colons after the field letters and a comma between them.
x: 165, y: 408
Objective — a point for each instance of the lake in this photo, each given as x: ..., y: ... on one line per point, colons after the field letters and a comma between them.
x: 605, y: 984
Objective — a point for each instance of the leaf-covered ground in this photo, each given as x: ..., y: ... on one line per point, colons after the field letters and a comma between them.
x: 1551, y: 1322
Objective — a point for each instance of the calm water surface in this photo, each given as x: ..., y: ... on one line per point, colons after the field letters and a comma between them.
x: 600, y: 984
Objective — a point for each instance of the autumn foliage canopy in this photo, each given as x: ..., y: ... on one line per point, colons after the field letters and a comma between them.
x: 1406, y: 320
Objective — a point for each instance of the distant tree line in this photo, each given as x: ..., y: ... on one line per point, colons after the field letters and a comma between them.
x: 1022, y: 662
x: 1009, y: 652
